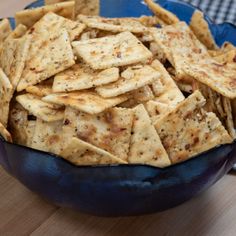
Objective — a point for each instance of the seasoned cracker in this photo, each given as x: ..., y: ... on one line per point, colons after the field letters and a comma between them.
x: 6, y: 93
x: 41, y: 109
x: 201, y: 29
x: 112, y: 51
x: 80, y: 77
x: 146, y: 146
x: 110, y: 130
x: 30, y: 16
x: 114, y: 25
x: 49, y: 54
x: 131, y: 79
x: 87, y: 7
x: 86, y: 101
x: 79, y: 152
x: 188, y: 130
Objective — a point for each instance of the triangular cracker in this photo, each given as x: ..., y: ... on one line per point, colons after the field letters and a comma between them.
x: 5, y: 134
x: 79, y: 152
x: 13, y: 57
x: 146, y: 146
x: 30, y: 129
x: 112, y: 51
x: 113, y: 24
x: 87, y: 101
x: 201, y: 29
x: 110, y: 130
x: 80, y: 76
x: 6, y: 93
x: 188, y: 130
x: 48, y: 136
x: 43, y: 110
x: 131, y: 79
x: 48, y: 55
x: 30, y: 16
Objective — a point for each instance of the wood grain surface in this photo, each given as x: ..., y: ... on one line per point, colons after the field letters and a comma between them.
x: 24, y: 213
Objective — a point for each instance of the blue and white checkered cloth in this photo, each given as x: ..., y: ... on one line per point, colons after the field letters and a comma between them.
x: 218, y: 10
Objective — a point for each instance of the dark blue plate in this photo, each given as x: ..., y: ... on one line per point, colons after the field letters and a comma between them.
x: 121, y: 190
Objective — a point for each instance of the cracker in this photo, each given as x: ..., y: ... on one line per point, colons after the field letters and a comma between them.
x: 43, y: 110
x: 87, y: 7
x: 79, y: 152
x: 48, y: 136
x: 6, y: 93
x: 52, y: 22
x: 146, y: 146
x: 80, y: 76
x: 112, y: 51
x: 39, y: 90
x: 30, y: 129
x: 5, y: 134
x: 110, y: 130
x: 13, y: 58
x: 165, y: 15
x: 131, y: 79
x: 201, y: 29
x: 229, y: 117
x: 180, y: 46
x: 86, y: 101
x: 30, y: 16
x: 143, y: 94
x: 188, y: 130
x: 18, y: 122
x: 5, y: 30
x: 114, y: 25
x: 18, y: 32
x: 49, y: 54
x: 170, y: 94
x: 220, y: 78
x: 156, y: 109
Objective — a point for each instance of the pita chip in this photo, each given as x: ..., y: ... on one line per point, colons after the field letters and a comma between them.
x: 80, y: 77
x: 110, y: 130
x: 48, y: 136
x: 86, y: 101
x: 5, y: 134
x: 30, y: 16
x: 112, y: 51
x: 13, y: 57
x: 49, y: 54
x: 43, y: 110
x: 131, y: 79
x: 201, y: 29
x: 167, y: 16
x: 146, y: 146
x: 79, y: 152
x: 188, y: 130
x: 115, y: 25
x: 6, y: 93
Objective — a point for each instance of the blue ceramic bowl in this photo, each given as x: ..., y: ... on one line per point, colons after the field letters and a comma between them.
x: 121, y: 190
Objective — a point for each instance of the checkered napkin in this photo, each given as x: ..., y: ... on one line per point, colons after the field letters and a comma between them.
x: 217, y: 10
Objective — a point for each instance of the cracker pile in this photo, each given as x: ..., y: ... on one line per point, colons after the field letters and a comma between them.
x: 93, y: 90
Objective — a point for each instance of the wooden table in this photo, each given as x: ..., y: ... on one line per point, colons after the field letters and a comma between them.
x: 24, y: 213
